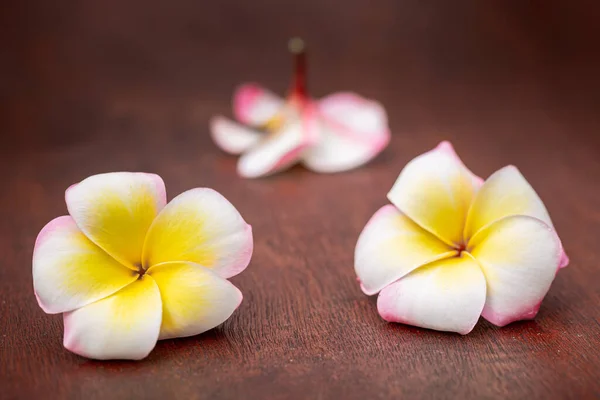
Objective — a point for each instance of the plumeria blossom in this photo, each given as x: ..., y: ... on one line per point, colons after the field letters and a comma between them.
x: 127, y: 269
x: 337, y: 133
x: 451, y: 247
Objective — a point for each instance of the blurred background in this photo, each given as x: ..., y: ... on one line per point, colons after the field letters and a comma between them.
x: 81, y: 72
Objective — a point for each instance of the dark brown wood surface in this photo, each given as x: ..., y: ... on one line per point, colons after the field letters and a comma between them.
x: 96, y: 86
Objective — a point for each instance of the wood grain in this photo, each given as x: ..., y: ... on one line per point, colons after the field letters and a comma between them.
x: 90, y: 87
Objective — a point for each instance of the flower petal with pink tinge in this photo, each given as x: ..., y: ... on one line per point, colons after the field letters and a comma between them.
x: 519, y: 256
x: 281, y: 149
x: 115, y: 211
x: 353, y: 131
x: 232, y: 137
x: 194, y: 299
x: 390, y: 246
x: 203, y: 227
x: 122, y: 326
x: 69, y: 271
x: 435, y: 190
x: 254, y: 105
x: 506, y: 192
x: 447, y: 295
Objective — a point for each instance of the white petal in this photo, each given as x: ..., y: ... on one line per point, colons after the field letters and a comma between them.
x: 353, y: 130
x: 231, y: 137
x: 122, y: 326
x: 69, y: 271
x: 436, y: 190
x: 447, y: 295
x: 282, y: 148
x: 194, y: 298
x: 519, y: 256
x: 390, y: 246
x: 203, y: 227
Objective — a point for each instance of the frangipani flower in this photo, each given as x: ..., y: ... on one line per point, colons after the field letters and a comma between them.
x: 337, y: 133
x: 451, y: 248
x: 127, y: 269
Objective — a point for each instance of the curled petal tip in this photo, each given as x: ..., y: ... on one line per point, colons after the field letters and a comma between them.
x: 245, y: 94
x: 253, y: 105
x: 564, y: 260
x: 240, y: 296
x: 446, y: 145
x: 501, y: 320
x: 214, y: 121
x: 386, y: 314
x: 69, y: 189
x: 49, y: 228
x: 366, y: 291
x: 41, y: 304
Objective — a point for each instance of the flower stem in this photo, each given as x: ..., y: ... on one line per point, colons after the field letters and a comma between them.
x: 298, y: 50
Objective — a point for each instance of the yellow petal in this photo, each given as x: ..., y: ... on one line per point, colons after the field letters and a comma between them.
x: 69, y: 271
x: 202, y: 227
x: 122, y: 326
x: 115, y: 211
x: 519, y: 256
x: 506, y: 192
x: 390, y: 246
x: 436, y: 190
x: 194, y: 299
x: 446, y: 295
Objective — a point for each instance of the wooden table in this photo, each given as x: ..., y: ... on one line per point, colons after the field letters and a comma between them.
x: 90, y: 87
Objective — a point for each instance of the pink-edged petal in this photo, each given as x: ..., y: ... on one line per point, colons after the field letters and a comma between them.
x: 564, y: 259
x: 232, y: 137
x: 447, y: 295
x: 519, y: 256
x: 353, y: 130
x: 435, y: 190
x: 69, y: 271
x: 506, y: 192
x: 115, y: 210
x: 254, y: 105
x: 203, y: 227
x: 123, y: 326
x: 390, y: 246
x: 194, y: 299
x: 283, y: 148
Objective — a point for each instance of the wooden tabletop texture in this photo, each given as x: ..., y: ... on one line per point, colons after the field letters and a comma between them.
x: 97, y: 86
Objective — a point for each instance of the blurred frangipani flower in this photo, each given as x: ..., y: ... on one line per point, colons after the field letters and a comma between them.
x: 339, y: 132
x: 128, y: 269
x: 452, y: 247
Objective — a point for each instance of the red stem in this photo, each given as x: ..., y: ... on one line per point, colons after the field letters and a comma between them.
x: 298, y: 88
